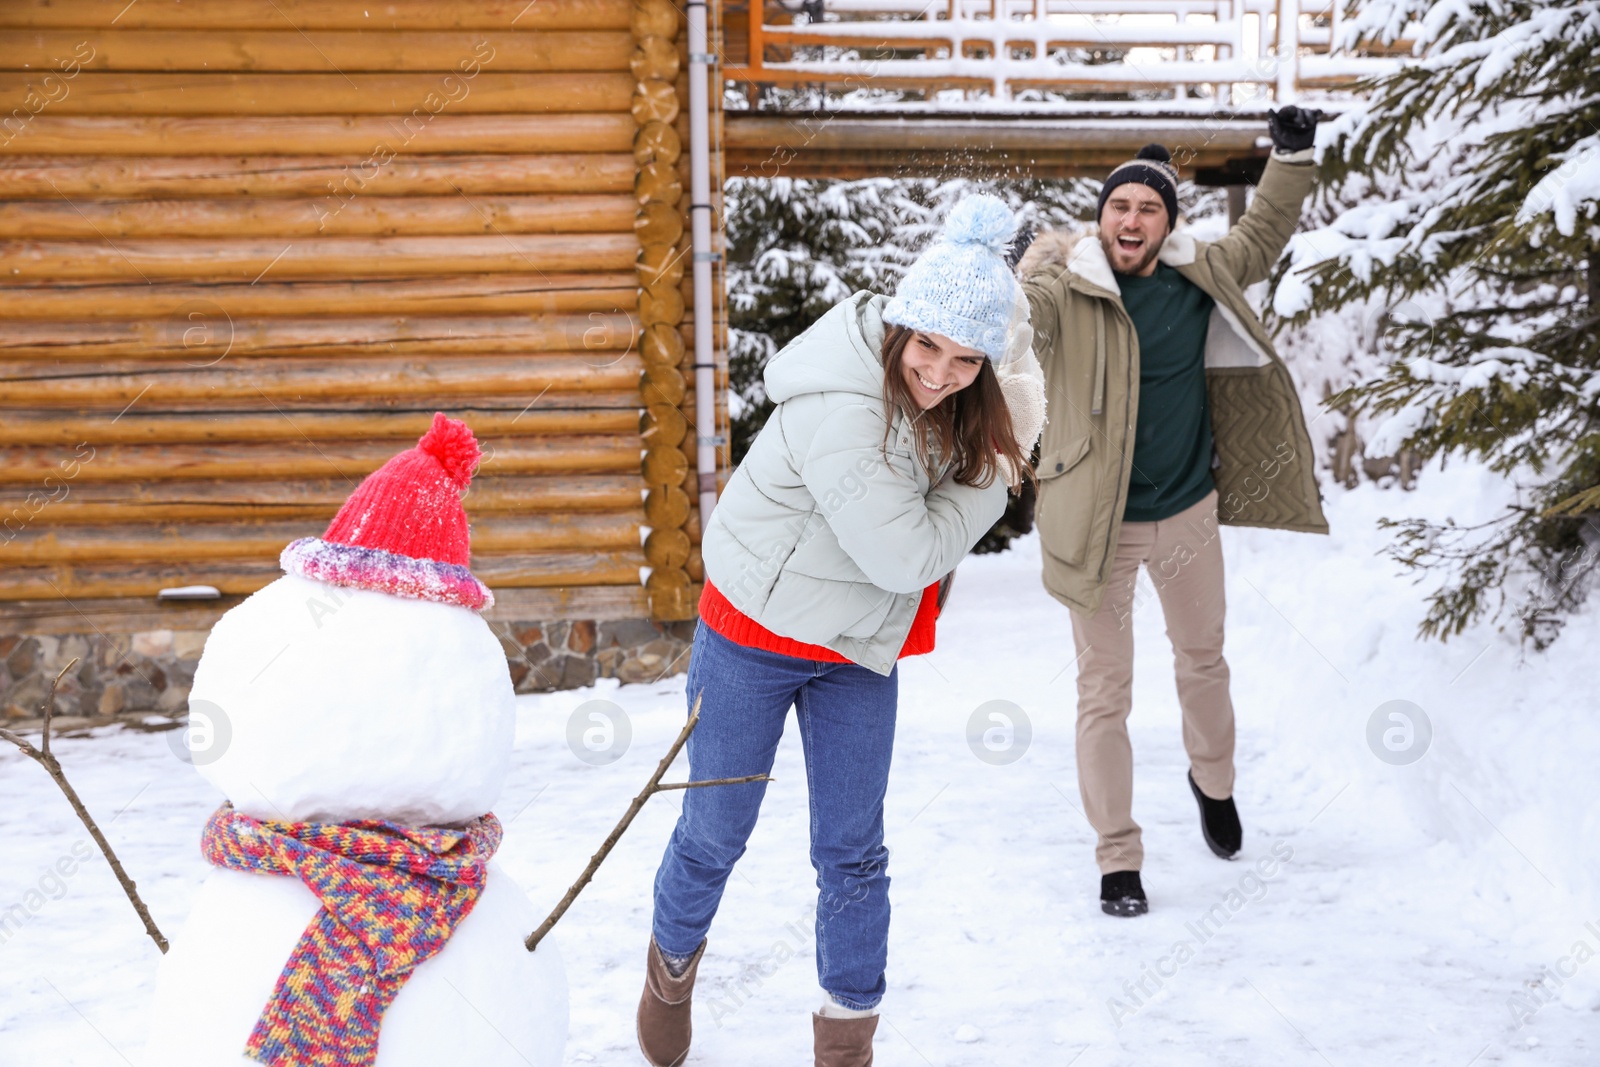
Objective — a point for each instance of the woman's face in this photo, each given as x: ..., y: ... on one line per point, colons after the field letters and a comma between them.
x: 936, y: 367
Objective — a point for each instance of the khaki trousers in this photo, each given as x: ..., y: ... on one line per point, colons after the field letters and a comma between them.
x: 1183, y: 556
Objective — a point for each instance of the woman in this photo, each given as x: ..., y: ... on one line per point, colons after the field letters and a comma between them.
x: 899, y: 424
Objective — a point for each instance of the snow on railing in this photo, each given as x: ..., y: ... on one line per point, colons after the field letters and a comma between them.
x: 1209, y: 53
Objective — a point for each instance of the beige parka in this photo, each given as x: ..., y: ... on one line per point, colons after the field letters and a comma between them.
x: 1264, y: 468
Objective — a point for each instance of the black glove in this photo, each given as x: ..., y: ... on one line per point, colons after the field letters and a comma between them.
x: 1292, y: 128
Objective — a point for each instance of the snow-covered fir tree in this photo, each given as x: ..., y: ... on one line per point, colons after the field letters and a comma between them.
x: 1474, y: 178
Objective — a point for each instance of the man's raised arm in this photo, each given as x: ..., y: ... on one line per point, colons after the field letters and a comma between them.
x: 1257, y: 240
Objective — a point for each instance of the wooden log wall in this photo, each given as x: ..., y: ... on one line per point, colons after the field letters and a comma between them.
x: 247, y: 247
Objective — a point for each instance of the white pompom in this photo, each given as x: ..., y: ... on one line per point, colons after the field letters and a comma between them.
x: 981, y: 219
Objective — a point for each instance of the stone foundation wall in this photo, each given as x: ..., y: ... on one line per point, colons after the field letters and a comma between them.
x: 116, y: 674
x: 548, y: 656
x: 128, y: 677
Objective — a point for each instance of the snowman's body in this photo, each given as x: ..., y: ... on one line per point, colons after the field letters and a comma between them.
x: 483, y: 1001
x: 336, y: 705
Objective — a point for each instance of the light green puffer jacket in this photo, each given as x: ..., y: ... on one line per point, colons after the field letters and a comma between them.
x: 820, y: 536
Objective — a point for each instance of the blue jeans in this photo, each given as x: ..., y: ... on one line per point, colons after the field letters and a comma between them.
x: 846, y: 715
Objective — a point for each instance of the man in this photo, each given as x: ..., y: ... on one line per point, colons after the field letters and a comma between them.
x: 1169, y: 413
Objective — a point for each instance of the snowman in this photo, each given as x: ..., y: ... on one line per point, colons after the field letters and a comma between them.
x: 361, y: 714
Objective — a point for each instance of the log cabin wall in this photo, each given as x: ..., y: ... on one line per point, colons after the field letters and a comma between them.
x: 247, y: 247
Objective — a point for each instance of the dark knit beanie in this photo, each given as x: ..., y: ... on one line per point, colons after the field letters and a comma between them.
x: 1152, y: 167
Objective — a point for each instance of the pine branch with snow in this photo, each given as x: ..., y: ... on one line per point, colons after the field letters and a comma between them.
x: 1477, y: 171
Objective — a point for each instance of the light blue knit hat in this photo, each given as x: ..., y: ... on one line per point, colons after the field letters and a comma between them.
x: 961, y: 286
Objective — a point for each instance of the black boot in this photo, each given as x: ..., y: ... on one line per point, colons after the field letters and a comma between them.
x: 1219, y: 822
x: 1122, y: 895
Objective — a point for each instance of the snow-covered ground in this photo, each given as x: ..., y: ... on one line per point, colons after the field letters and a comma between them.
x: 1439, y: 912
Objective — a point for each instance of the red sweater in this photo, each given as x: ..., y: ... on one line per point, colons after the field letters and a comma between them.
x: 727, y: 620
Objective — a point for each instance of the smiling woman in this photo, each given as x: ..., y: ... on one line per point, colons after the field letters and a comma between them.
x: 936, y: 366
x: 953, y: 394
x: 886, y: 458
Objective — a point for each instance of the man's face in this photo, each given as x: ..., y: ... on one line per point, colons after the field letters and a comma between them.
x: 1132, y: 226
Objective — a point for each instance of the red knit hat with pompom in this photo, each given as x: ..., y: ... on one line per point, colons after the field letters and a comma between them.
x: 404, y: 531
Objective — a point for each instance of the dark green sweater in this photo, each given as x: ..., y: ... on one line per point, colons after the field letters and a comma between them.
x: 1172, y: 440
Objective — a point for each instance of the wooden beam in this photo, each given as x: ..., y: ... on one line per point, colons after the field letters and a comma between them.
x: 878, y: 36
x: 333, y: 179
x: 119, y: 616
x: 371, y: 216
x: 311, y: 15
x: 853, y: 145
x: 149, y: 258
x: 232, y: 500
x: 136, y: 427
x: 273, y: 461
x: 174, y: 543
x: 395, y: 383
x: 544, y: 293
x: 514, y: 397
x: 286, y: 48
x: 919, y: 132
x: 202, y: 336
x: 601, y: 603
x: 559, y: 568
x: 413, y: 99
x: 241, y: 577
x: 355, y: 136
x: 606, y: 603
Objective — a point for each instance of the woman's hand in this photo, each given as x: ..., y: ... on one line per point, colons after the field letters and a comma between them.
x: 1022, y: 385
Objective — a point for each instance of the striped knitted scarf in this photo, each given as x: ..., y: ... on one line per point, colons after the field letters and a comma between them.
x: 391, y: 896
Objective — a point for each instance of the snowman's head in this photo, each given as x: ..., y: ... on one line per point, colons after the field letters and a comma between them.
x: 363, y: 684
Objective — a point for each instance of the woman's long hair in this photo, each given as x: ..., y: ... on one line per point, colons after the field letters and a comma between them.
x: 961, y: 434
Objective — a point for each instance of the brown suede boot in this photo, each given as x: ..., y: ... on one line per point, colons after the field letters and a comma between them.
x: 843, y: 1042
x: 663, y: 1019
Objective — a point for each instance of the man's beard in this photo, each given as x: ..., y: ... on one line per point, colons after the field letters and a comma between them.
x: 1151, y: 251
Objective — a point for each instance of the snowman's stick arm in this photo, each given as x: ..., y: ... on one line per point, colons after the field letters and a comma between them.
x: 611, y: 840
x: 41, y: 755
x: 713, y: 781
x: 652, y: 787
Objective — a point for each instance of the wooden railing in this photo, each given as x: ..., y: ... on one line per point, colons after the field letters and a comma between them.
x: 1188, y: 54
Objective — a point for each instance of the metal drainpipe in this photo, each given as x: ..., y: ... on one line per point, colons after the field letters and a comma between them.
x: 705, y: 365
